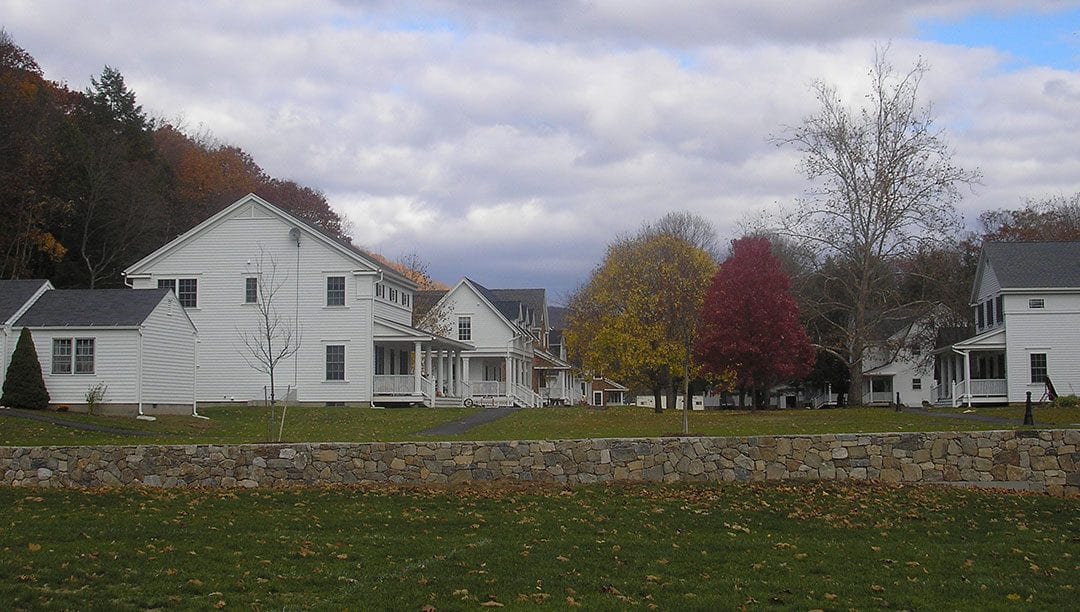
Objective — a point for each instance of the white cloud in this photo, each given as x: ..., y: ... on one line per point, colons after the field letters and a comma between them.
x: 511, y: 140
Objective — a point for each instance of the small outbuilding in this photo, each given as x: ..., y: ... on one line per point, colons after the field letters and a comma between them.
x: 136, y: 347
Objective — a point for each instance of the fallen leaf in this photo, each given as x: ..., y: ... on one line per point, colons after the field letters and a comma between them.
x: 33, y: 547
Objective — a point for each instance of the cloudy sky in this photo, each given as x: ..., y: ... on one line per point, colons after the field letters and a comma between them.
x: 510, y: 141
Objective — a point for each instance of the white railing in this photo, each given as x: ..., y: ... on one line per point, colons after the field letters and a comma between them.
x: 822, y: 399
x: 466, y: 388
x: 395, y: 384
x: 428, y: 387
x: 879, y: 397
x: 554, y: 392
x: 989, y: 387
x: 487, y: 388
x: 526, y: 396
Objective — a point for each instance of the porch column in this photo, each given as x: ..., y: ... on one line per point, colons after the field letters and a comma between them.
x: 465, y: 369
x: 509, y: 373
x: 967, y: 377
x: 439, y: 376
x: 427, y: 358
x: 417, y: 347
x: 455, y: 373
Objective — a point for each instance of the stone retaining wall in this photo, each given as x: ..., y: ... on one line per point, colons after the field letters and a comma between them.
x: 1035, y: 460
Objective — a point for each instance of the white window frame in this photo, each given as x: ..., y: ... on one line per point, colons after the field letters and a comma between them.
x: 467, y: 327
x: 344, y: 291
x: 1036, y: 303
x: 344, y: 362
x: 248, y: 288
x: 72, y: 361
x: 1045, y: 367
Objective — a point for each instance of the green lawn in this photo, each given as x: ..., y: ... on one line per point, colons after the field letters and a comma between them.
x: 583, y: 422
x: 248, y: 424
x: 804, y: 546
x: 236, y: 425
x: 1051, y: 416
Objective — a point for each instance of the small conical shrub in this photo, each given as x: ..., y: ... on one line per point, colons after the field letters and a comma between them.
x: 24, y: 386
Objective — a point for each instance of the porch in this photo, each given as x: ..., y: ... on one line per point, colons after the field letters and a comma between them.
x: 972, y: 372
x: 412, y: 366
x: 500, y: 380
x: 552, y: 380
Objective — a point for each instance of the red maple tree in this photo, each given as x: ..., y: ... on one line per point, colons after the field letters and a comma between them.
x: 750, y: 321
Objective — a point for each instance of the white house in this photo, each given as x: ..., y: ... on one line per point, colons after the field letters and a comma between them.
x: 1026, y: 299
x: 505, y: 327
x: 138, y: 347
x: 900, y: 367
x: 573, y: 386
x: 349, y: 316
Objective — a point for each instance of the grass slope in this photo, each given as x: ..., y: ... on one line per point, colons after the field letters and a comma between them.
x: 801, y: 546
x: 240, y: 425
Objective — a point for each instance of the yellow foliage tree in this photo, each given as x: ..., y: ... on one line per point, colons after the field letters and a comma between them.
x: 637, y: 317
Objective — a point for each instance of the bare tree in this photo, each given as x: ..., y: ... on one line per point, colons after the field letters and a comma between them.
x: 272, y: 337
x: 692, y: 228
x: 884, y: 187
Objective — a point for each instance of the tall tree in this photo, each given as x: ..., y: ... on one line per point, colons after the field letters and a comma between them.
x: 884, y: 187
x: 116, y: 183
x: 636, y: 318
x: 1053, y: 218
x: 750, y: 321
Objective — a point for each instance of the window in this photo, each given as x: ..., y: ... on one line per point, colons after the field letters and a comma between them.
x: 979, y: 316
x: 1000, y: 308
x: 187, y: 291
x: 404, y: 299
x: 251, y: 290
x: 84, y: 356
x: 380, y: 290
x: 1038, y: 367
x: 61, y: 356
x: 916, y: 383
x: 335, y: 290
x: 1036, y: 303
x: 79, y: 361
x: 167, y: 283
x: 989, y: 312
x: 335, y: 362
x: 464, y: 328
x: 393, y: 294
x: 403, y: 366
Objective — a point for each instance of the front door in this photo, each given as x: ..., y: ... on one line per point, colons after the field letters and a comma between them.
x: 598, y: 398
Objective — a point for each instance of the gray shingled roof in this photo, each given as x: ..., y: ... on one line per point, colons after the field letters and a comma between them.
x: 557, y: 317
x: 92, y: 308
x: 1021, y: 265
x: 15, y: 293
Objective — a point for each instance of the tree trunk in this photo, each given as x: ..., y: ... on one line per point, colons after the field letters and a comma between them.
x: 658, y: 406
x: 672, y: 393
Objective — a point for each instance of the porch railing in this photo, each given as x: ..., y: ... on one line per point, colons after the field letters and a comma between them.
x: 526, y: 395
x: 989, y: 387
x: 879, y: 397
x: 482, y: 388
x: 822, y: 399
x: 554, y: 392
x: 395, y: 384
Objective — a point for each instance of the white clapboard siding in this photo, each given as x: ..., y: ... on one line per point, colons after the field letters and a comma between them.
x: 115, y: 364
x: 241, y: 244
x: 1054, y: 330
x: 168, y: 355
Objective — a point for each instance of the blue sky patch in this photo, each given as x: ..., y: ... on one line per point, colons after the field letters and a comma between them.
x: 1033, y: 39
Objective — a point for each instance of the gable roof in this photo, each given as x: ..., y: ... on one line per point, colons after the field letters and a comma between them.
x: 345, y: 247
x: 92, y: 308
x: 533, y: 299
x: 15, y: 293
x: 1033, y: 265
